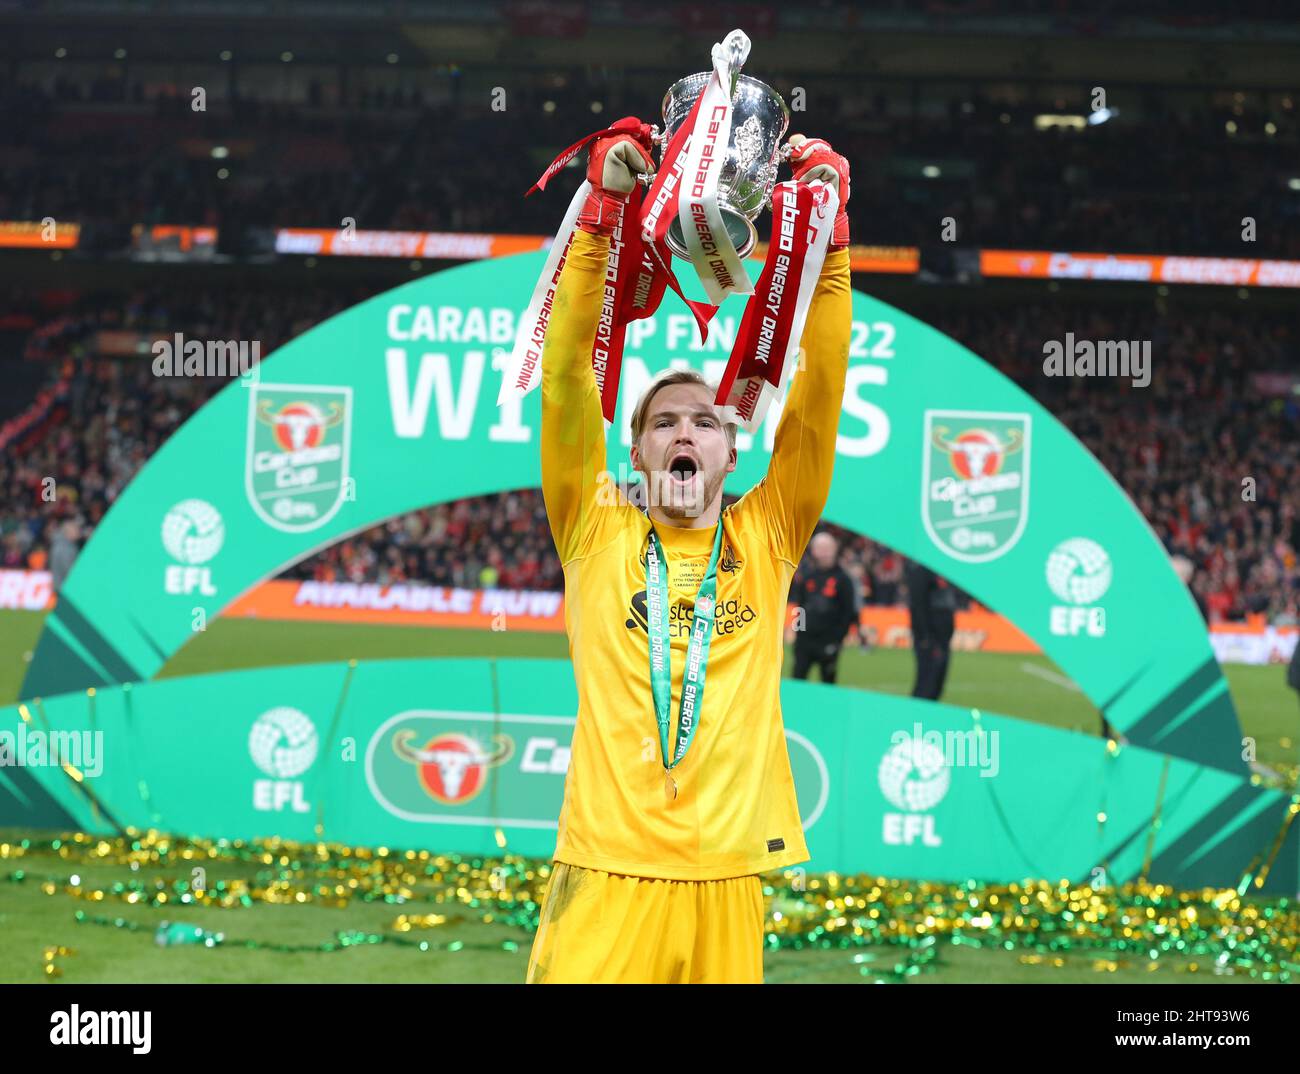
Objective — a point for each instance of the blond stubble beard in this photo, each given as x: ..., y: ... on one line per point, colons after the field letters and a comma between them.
x: 688, y: 509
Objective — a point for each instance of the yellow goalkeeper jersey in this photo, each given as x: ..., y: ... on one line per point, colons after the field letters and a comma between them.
x: 735, y: 812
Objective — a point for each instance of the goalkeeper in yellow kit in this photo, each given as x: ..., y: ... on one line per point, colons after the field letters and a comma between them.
x: 672, y: 805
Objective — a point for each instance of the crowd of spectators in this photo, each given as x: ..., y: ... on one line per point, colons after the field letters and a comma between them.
x: 1209, y: 457
x: 1166, y: 174
x: 499, y: 541
x: 111, y: 416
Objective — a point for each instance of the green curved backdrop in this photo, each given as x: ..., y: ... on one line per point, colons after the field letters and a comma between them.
x: 390, y: 406
x: 886, y: 785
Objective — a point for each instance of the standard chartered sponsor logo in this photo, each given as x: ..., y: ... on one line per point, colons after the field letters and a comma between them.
x: 1078, y: 572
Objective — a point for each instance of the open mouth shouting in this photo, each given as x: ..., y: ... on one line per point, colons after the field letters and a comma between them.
x: 683, y: 469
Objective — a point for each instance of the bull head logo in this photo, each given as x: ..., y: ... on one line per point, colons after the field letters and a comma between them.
x: 977, y: 453
x: 298, y: 425
x: 452, y: 767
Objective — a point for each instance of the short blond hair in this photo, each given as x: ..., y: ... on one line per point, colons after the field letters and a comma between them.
x: 666, y: 379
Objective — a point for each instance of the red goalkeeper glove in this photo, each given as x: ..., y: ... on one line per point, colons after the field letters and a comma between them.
x: 613, y: 163
x: 813, y: 158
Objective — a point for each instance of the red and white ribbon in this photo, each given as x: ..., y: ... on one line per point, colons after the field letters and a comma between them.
x: 523, y: 371
x: 713, y: 254
x: 634, y: 287
x: 767, y: 343
x: 633, y: 290
x: 626, y: 125
x: 661, y: 207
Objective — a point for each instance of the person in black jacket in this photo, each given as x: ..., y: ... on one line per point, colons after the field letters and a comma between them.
x: 829, y: 603
x: 932, y: 603
x: 1293, y: 670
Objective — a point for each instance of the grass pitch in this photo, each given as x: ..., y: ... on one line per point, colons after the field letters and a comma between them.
x: 1030, y: 687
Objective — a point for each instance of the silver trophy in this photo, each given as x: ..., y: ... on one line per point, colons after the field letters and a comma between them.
x: 759, y: 121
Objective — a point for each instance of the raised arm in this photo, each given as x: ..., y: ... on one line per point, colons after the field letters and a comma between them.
x: 798, y: 477
x: 573, y: 427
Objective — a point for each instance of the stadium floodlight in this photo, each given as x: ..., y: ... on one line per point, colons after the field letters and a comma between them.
x: 1047, y: 120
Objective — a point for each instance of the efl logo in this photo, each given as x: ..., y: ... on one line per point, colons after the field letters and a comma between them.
x: 192, y: 532
x: 283, y: 744
x: 1079, y: 573
x: 914, y: 777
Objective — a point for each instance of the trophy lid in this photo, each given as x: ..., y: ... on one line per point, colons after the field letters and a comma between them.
x: 682, y: 93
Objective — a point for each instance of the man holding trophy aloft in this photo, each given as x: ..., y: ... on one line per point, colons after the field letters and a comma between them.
x: 667, y: 824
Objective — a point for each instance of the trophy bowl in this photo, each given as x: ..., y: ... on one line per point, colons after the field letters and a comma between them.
x: 759, y: 121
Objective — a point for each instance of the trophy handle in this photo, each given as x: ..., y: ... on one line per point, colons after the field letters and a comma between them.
x: 782, y: 157
x: 659, y: 139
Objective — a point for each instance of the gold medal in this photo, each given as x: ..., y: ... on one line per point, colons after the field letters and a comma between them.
x: 670, y: 786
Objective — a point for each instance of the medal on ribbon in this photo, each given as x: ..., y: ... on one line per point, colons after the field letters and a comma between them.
x: 697, y: 652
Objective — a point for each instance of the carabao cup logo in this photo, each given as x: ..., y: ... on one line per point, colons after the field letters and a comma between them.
x: 296, y: 469
x: 192, y: 532
x: 975, y: 482
x: 452, y: 767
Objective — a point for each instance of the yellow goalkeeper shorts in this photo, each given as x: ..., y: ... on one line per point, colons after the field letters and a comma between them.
x: 602, y: 928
